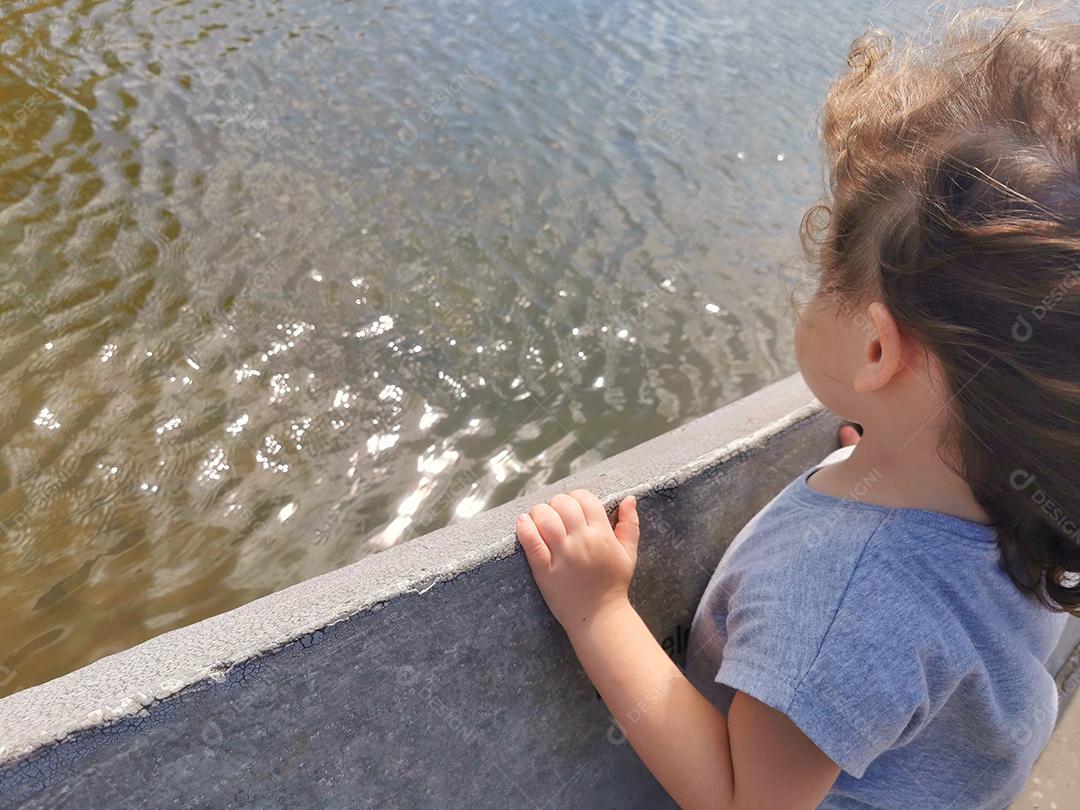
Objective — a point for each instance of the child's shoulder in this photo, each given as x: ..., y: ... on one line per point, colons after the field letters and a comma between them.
x: 809, y: 525
x: 917, y: 579
x: 859, y: 621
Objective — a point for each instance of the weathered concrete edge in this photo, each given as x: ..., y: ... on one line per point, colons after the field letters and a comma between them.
x: 123, y: 684
x: 1066, y: 650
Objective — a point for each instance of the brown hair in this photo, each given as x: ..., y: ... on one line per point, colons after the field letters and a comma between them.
x: 954, y: 198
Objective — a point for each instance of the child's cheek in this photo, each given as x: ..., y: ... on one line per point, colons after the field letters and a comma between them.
x: 806, y: 354
x: 820, y: 361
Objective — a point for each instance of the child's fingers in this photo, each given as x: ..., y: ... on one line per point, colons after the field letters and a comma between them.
x: 551, y: 526
x: 627, y: 528
x: 594, y: 511
x: 570, y: 512
x: 848, y: 435
x: 536, y: 550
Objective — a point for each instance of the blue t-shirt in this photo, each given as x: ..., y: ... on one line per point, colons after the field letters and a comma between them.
x: 895, y: 641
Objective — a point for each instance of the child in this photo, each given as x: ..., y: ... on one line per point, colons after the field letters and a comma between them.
x: 877, y: 635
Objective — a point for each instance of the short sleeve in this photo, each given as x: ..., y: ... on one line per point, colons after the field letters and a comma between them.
x: 845, y: 660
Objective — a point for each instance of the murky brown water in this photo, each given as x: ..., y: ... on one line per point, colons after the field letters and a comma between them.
x: 283, y: 284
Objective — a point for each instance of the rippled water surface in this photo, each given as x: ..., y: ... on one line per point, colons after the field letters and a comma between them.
x: 286, y: 283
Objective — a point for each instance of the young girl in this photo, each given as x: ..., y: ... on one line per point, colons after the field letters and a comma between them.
x: 877, y: 635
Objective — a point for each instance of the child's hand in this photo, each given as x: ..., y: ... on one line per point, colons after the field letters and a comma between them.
x: 581, y: 565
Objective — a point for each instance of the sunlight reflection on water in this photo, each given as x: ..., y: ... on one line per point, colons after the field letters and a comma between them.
x: 282, y: 289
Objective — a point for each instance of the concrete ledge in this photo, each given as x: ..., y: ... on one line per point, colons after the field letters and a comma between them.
x: 1067, y: 648
x: 430, y: 674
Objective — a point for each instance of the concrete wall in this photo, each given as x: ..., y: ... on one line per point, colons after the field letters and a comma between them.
x: 428, y: 675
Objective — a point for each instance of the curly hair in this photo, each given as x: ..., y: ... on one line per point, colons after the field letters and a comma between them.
x: 954, y: 198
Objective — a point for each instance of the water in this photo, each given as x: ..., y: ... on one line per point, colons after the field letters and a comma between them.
x: 284, y: 284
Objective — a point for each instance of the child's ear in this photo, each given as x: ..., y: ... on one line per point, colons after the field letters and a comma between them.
x: 883, y: 355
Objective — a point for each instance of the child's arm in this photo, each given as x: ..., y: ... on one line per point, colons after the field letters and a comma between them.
x: 754, y: 757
